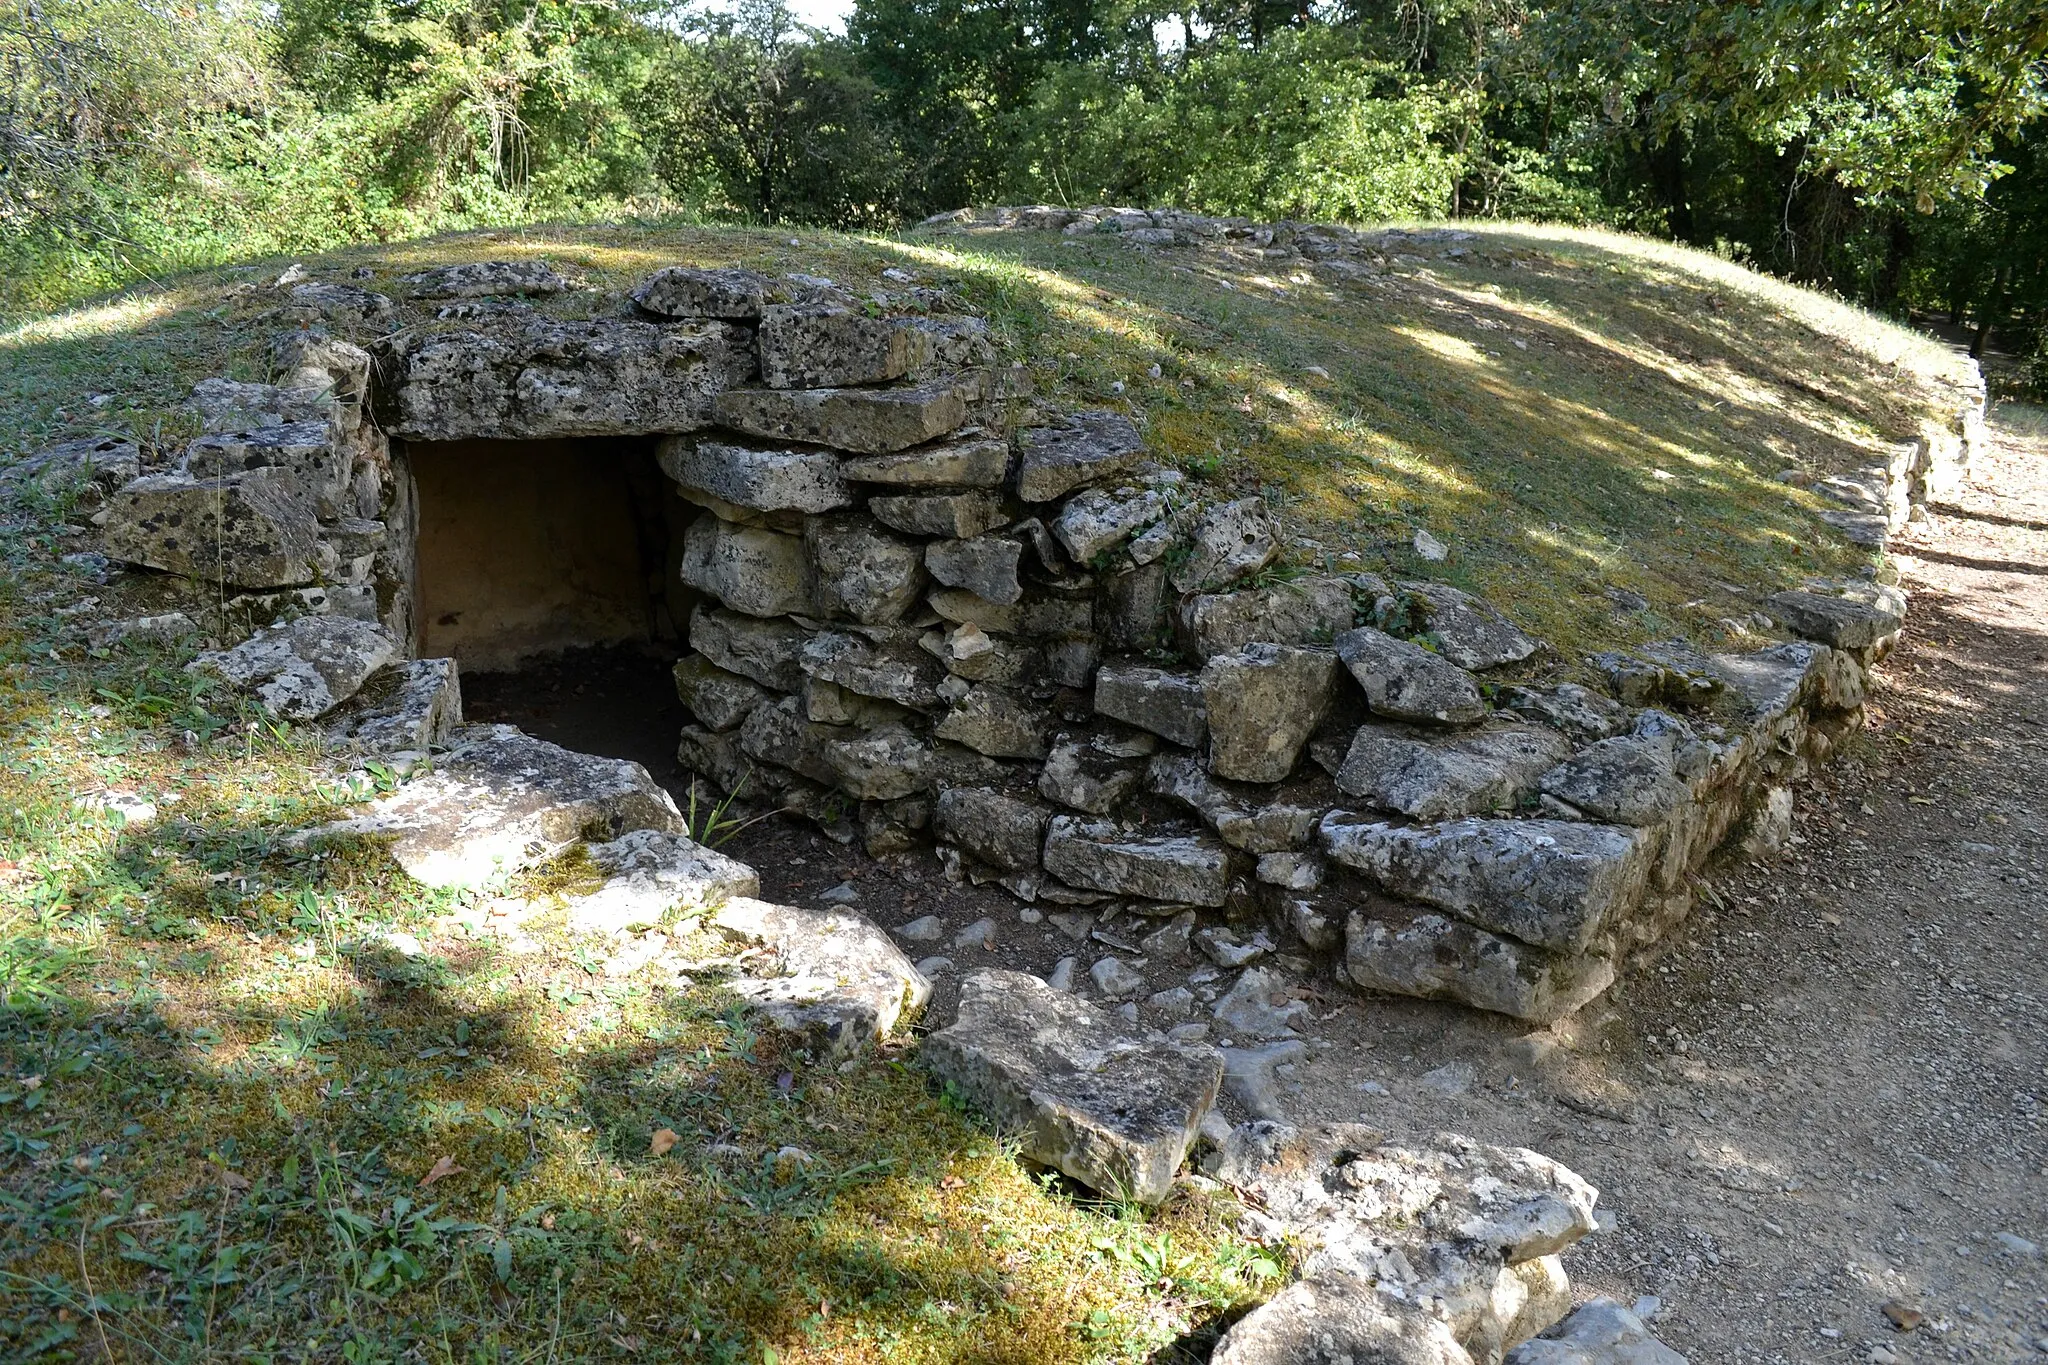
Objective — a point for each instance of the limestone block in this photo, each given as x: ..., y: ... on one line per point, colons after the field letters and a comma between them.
x: 1261, y: 1004
x: 1336, y: 1319
x: 1601, y: 1332
x: 98, y: 464
x: 1263, y: 701
x: 683, y: 292
x: 886, y: 763
x: 1554, y: 883
x: 1437, y: 958
x: 484, y: 279
x: 1037, y: 617
x: 764, y: 480
x: 1232, y: 541
x: 781, y: 735
x: 307, y: 453
x: 305, y: 668
x: 250, y: 530
x: 1090, y: 1097
x: 226, y: 405
x: 999, y: 830
x: 1404, y: 681
x: 985, y: 566
x: 1853, y: 616
x: 1089, y: 448
x: 651, y: 876
x: 747, y: 568
x: 718, y: 699
x: 1098, y: 856
x: 992, y: 721
x: 1438, y: 777
x: 1079, y: 775
x: 1469, y: 631
x: 768, y: 651
x: 342, y: 302
x: 1628, y: 780
x: 956, y: 516
x: 717, y: 759
x: 825, y: 345
x: 889, y: 670
x: 411, y: 705
x: 499, y: 801
x: 841, y: 984
x: 1135, y: 604
x: 1096, y: 521
x: 975, y: 461
x: 864, y: 421
x: 860, y: 571
x: 1302, y: 611
x: 1582, y: 714
x: 535, y: 376
x: 1169, y: 705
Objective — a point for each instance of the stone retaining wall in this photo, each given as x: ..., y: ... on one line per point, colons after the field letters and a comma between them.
x: 928, y: 610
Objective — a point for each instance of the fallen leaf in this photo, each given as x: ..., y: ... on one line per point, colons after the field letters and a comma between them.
x: 952, y: 1182
x: 1903, y: 1316
x: 443, y: 1166
x: 662, y: 1141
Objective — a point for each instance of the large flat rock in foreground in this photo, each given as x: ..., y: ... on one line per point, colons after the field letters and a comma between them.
x: 500, y: 800
x: 841, y: 984
x: 1110, y: 1109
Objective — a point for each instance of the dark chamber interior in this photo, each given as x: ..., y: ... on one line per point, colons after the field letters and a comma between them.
x: 545, y: 571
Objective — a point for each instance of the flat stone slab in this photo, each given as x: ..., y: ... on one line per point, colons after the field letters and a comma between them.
x: 841, y: 984
x: 1098, y: 856
x: 1097, y: 521
x: 1086, y: 1096
x: 652, y: 876
x: 768, y: 651
x: 969, y: 462
x: 500, y: 800
x: 106, y: 462
x: 1601, y: 1332
x: 251, y: 530
x: 864, y: 421
x: 826, y: 345
x: 537, y: 376
x: 1553, y: 883
x: 1230, y: 542
x: 483, y: 279
x: 1403, y: 681
x: 894, y: 672
x: 1091, y: 447
x: 999, y: 830
x: 1845, y: 616
x: 1628, y: 780
x: 1442, y: 777
x: 764, y: 480
x: 684, y: 292
x: 718, y: 699
x: 747, y: 568
x: 862, y: 571
x: 956, y: 516
x: 404, y: 707
x: 1169, y: 705
x: 1262, y: 702
x: 1470, y: 631
x: 305, y: 668
x: 1304, y: 611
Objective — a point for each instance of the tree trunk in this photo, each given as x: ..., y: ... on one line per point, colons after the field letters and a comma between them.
x: 1988, y: 315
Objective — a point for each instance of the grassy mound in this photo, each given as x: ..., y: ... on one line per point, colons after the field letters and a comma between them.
x: 241, y: 1116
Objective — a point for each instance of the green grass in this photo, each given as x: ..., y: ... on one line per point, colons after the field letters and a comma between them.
x: 222, y: 1087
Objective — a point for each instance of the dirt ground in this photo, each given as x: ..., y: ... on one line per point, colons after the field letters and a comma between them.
x: 1816, y: 1121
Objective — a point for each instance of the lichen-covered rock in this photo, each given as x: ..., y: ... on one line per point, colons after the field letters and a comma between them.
x: 985, y: 566
x: 1078, y: 774
x: 1601, y: 1332
x: 718, y: 699
x: 1169, y: 705
x: 481, y: 279
x: 1239, y: 817
x: 1439, y: 777
x: 1854, y: 616
x: 305, y: 668
x: 499, y: 801
x: 840, y: 984
x: 999, y: 830
x: 1404, y: 681
x: 536, y: 376
x: 230, y: 405
x: 971, y: 461
x: 1037, y: 616
x: 890, y: 670
x: 992, y: 721
x: 861, y: 571
x: 1097, y: 521
x: 1469, y: 631
x: 1437, y: 958
x: 1325, y: 1322
x: 409, y: 706
x: 1098, y: 856
x: 683, y: 292
x: 747, y: 568
x: 652, y: 876
x: 764, y: 480
x: 1089, y: 1097
x: 1088, y: 448
x: 1231, y: 542
x: 782, y: 735
x: 1263, y: 701
x: 1303, y: 611
x: 1554, y: 883
x: 885, y: 763
x: 767, y: 651
x: 717, y: 759
x: 956, y: 516
x: 828, y: 345
x: 864, y: 421
x: 249, y: 530
x: 1262, y: 1004
x: 1582, y: 714
x: 341, y: 302
x: 97, y: 463
x: 1628, y: 780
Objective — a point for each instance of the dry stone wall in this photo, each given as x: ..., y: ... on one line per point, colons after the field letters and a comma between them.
x: 927, y: 610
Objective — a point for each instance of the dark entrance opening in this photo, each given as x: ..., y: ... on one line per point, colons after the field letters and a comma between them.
x: 548, y: 571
